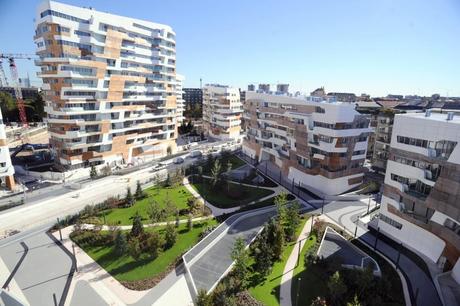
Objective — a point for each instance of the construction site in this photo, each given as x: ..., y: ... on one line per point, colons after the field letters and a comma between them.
x: 26, y: 142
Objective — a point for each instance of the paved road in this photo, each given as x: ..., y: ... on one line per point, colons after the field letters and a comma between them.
x: 44, y: 270
x: 345, y: 213
x: 210, y: 267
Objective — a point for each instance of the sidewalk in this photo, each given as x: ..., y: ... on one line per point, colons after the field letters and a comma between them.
x: 291, y: 264
x: 128, y: 227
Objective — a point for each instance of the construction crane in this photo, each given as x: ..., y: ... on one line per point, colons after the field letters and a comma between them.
x: 15, y: 80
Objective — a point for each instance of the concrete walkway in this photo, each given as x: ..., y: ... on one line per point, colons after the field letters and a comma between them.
x: 291, y: 264
x: 216, y: 211
x: 128, y: 227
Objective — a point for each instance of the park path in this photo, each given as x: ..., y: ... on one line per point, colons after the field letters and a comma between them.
x: 128, y: 227
x: 291, y: 264
x: 216, y: 211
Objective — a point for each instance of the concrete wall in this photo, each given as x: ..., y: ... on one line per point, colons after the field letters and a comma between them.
x: 323, y: 184
x: 410, y: 234
x: 456, y: 272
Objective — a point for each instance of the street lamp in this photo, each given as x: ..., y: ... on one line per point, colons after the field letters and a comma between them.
x: 297, y: 295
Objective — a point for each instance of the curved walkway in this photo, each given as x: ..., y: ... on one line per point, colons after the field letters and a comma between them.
x: 291, y: 264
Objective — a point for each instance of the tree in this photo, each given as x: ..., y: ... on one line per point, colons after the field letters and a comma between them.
x: 189, y: 222
x: 209, y: 162
x: 170, y: 236
x: 292, y: 220
x: 121, y: 245
x: 355, y: 302
x: 155, y: 212
x: 263, y: 255
x: 222, y: 296
x: 193, y: 205
x: 139, y: 194
x: 200, y: 173
x: 215, y: 173
x: 177, y: 221
x: 129, y: 199
x: 202, y: 298
x: 106, y: 170
x: 318, y: 302
x: 93, y: 172
x: 137, y: 228
x: 275, y: 238
x: 229, y: 168
x: 241, y: 258
x: 337, y: 287
x: 280, y: 202
x: 134, y: 248
x: 154, y: 244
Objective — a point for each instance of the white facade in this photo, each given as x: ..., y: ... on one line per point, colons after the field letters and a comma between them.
x: 222, y: 111
x: 180, y: 100
x: 409, y: 176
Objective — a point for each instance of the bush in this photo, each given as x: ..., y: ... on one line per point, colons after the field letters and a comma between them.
x: 154, y: 244
x: 170, y: 236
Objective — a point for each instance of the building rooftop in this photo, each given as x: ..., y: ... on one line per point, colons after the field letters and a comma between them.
x: 434, y: 116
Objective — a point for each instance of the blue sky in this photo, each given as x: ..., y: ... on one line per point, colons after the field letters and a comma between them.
x: 377, y: 47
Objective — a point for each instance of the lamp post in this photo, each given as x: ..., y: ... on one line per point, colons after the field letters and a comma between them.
x: 356, y: 227
x: 297, y: 295
x: 368, y: 204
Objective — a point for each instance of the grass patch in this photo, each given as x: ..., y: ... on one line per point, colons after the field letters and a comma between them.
x: 267, y: 291
x: 124, y: 216
x: 126, y: 269
x: 311, y: 284
x: 237, y: 196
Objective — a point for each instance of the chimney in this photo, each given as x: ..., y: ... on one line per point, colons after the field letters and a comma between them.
x: 450, y: 116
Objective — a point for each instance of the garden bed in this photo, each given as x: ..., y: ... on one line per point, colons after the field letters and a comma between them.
x: 161, y: 195
x: 235, y: 195
x: 146, y: 271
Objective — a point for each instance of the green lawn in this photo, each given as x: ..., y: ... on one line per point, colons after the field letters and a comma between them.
x: 310, y: 285
x: 236, y: 163
x: 267, y: 292
x: 219, y: 198
x: 125, y: 268
x: 123, y: 216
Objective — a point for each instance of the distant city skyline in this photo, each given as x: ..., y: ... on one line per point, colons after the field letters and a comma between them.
x: 378, y: 48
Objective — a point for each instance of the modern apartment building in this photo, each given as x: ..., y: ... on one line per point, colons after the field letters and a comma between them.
x: 193, y: 96
x: 383, y: 132
x: 110, y: 85
x: 319, y: 144
x: 180, y: 102
x: 421, y: 201
x: 6, y: 167
x: 222, y: 112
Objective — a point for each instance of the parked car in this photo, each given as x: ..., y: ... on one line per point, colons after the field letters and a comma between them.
x: 178, y: 160
x: 159, y: 166
x: 196, y: 154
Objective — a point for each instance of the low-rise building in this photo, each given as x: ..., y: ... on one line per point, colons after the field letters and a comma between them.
x: 421, y: 201
x: 222, y: 111
x: 318, y: 144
